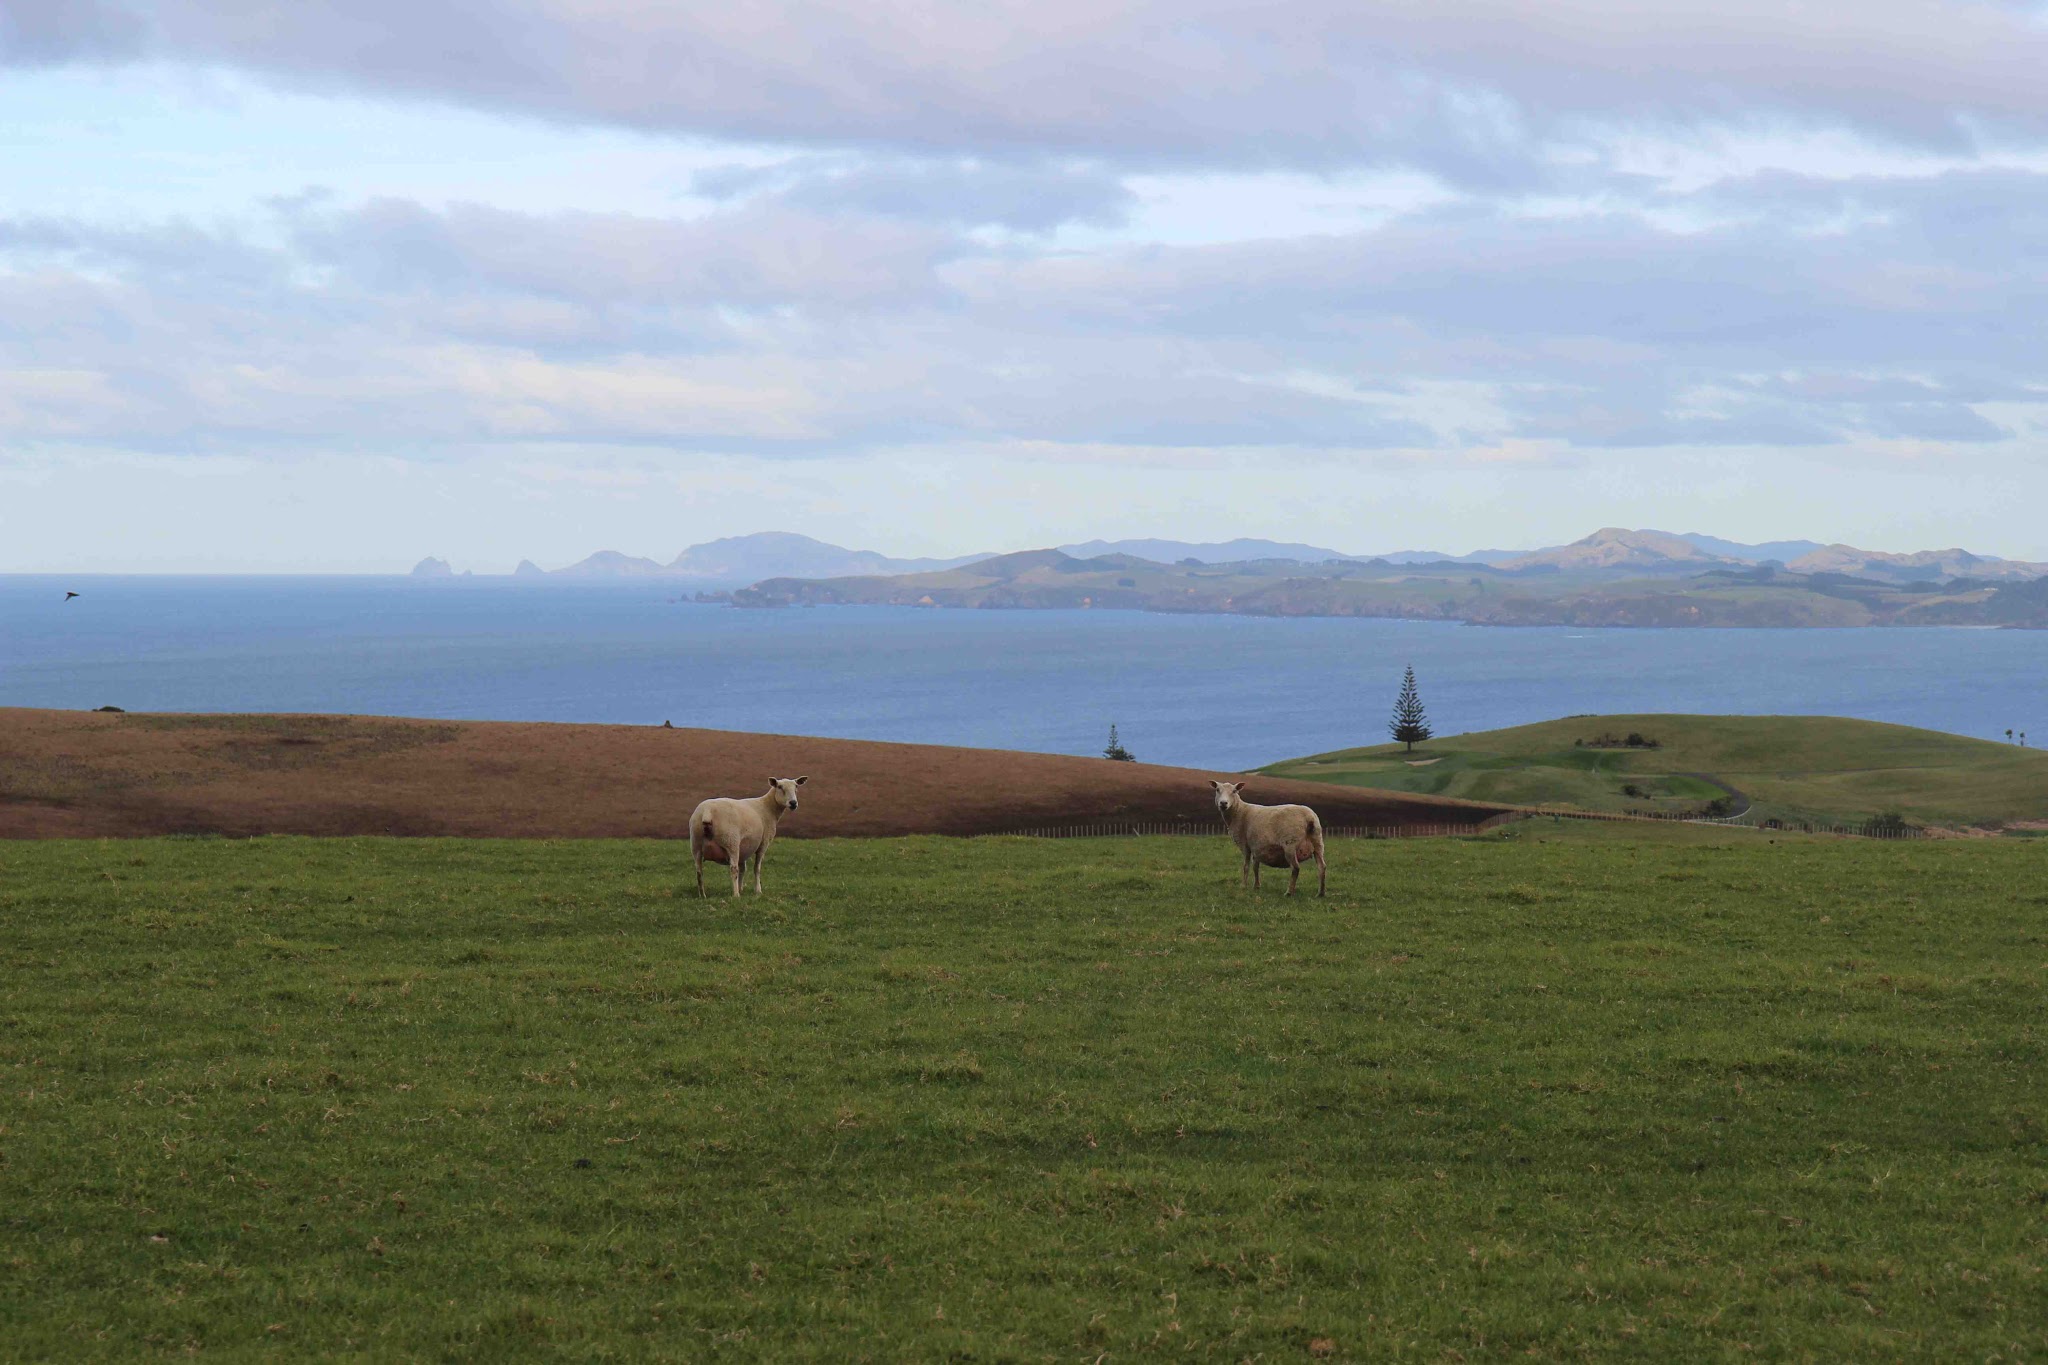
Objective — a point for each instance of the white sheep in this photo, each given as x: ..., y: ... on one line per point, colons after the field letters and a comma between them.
x: 729, y: 830
x: 1275, y: 836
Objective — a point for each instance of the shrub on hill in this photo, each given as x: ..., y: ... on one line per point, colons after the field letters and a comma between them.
x: 1634, y: 740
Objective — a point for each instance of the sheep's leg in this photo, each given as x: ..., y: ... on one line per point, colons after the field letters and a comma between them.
x: 759, y: 854
x: 697, y: 856
x: 1322, y: 873
x: 1293, y: 870
x: 738, y: 862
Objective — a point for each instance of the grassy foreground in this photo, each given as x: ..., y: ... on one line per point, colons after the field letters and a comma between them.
x: 1009, y: 1100
x: 1797, y: 768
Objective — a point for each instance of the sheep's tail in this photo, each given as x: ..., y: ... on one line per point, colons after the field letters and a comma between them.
x: 707, y: 831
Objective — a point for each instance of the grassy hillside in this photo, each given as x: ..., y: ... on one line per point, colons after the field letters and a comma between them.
x: 82, y: 774
x: 1791, y: 767
x: 1012, y: 1100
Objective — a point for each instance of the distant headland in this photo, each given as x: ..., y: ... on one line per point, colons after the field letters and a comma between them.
x: 1614, y: 577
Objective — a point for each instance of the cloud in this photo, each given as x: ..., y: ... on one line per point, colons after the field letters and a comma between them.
x: 960, y: 192
x: 823, y: 307
x: 752, y: 257
x: 39, y: 32
x: 1481, y: 91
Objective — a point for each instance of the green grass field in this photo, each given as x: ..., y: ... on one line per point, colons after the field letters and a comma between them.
x: 1795, y: 768
x: 1586, y: 1097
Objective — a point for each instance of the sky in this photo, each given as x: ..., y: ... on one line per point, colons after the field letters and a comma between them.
x: 334, y: 285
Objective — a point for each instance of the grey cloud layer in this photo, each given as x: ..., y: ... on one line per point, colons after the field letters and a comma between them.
x: 777, y: 325
x: 1465, y: 87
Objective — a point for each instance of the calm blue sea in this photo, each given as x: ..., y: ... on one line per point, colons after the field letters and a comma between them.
x: 1208, y: 691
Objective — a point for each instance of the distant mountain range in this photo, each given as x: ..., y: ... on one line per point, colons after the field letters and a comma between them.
x: 1622, y: 578
x: 741, y: 561
x: 1782, y: 550
x: 732, y: 562
x: 1927, y: 566
x: 1658, y: 552
x: 1244, y: 551
x: 1653, y: 547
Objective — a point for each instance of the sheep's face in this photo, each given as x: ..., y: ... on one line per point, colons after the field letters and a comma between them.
x: 785, y: 789
x: 1227, y: 795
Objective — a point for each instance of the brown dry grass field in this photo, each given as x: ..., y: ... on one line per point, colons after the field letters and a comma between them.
x: 66, y: 774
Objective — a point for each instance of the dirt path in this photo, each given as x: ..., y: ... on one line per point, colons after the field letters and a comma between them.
x: 72, y: 773
x: 1735, y: 796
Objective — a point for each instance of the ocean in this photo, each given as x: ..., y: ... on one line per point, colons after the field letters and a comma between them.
x: 1226, y: 692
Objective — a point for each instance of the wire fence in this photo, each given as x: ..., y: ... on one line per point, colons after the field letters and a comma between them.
x: 1749, y: 820
x: 1878, y: 830
x: 1104, y: 829
x: 1109, y: 829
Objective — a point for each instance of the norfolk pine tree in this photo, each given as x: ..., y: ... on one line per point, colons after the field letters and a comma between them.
x: 1410, y: 724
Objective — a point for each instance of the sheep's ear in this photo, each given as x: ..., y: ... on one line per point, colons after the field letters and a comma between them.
x: 801, y: 780
x: 1214, y: 783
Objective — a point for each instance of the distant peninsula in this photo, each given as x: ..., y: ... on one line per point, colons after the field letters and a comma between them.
x: 1611, y: 578
x: 1614, y: 577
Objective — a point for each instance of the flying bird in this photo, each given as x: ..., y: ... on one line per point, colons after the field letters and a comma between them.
x: 69, y: 595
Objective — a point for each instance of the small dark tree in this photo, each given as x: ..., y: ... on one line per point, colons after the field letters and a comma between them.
x: 1410, y: 725
x: 1116, y: 752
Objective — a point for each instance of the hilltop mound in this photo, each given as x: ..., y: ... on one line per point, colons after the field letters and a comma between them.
x: 1020, y: 562
x: 69, y: 773
x: 1922, y: 566
x: 1614, y: 547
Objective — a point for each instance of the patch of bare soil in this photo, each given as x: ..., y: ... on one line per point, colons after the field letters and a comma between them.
x: 82, y: 774
x: 2003, y: 829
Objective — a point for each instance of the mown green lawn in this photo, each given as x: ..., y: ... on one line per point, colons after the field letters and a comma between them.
x: 1583, y: 1097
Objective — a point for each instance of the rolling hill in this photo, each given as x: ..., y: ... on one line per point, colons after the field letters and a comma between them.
x: 1790, y: 768
x: 1616, y: 548
x: 1920, y: 567
x: 89, y: 774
